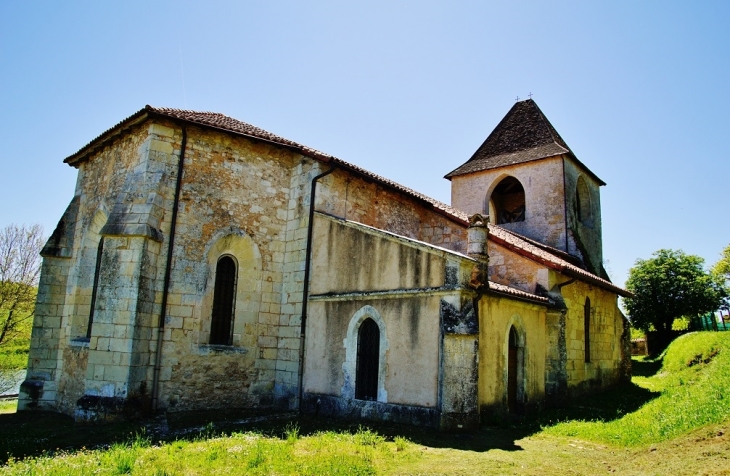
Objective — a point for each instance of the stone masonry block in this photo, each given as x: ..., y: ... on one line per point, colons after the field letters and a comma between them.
x: 160, y: 130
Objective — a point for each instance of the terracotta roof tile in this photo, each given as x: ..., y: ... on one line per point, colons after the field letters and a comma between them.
x: 510, y: 291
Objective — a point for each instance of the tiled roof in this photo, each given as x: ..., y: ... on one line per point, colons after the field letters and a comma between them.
x: 513, y: 292
x: 521, y: 246
x: 523, y: 135
x: 228, y: 124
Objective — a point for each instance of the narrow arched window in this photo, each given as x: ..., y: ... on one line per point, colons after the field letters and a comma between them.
x: 224, y: 293
x: 587, y: 328
x: 512, y: 369
x: 583, y: 206
x: 507, y: 202
x: 368, y: 361
x: 95, y: 288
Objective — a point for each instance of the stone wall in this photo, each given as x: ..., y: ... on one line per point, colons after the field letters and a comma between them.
x: 508, y: 268
x: 353, y: 198
x: 542, y: 181
x: 606, y: 366
x: 585, y: 234
x: 496, y: 316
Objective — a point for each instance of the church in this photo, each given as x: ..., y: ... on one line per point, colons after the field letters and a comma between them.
x: 204, y: 263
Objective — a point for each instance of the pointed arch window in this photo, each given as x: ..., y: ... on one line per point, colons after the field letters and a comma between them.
x: 368, y: 361
x: 587, y: 328
x: 507, y: 202
x: 221, y: 325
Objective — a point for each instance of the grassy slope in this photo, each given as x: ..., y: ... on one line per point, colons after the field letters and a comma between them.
x: 694, y: 390
x: 14, y: 353
x: 675, y: 421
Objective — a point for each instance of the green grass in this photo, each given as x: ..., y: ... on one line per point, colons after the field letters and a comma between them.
x: 677, y: 404
x: 326, y: 453
x: 693, y: 388
x: 8, y: 406
x: 14, y: 353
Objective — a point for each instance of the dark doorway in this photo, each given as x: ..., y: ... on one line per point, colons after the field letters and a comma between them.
x: 512, y: 368
x: 223, y: 295
x: 368, y: 361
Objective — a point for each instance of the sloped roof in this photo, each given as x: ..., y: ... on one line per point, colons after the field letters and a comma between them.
x: 523, y: 247
x: 523, y: 135
x: 213, y: 120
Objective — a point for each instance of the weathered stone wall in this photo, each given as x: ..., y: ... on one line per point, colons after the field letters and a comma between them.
x: 496, y: 316
x: 606, y: 364
x: 542, y: 181
x: 234, y: 187
x: 103, y: 187
x: 508, y: 268
x: 356, y: 199
x: 358, y: 273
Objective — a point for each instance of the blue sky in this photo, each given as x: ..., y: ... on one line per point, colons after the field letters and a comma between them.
x: 409, y: 90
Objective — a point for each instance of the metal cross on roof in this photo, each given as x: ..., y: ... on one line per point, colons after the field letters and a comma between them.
x: 530, y: 95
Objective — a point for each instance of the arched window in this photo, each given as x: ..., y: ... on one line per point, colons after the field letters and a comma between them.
x: 507, y: 202
x: 221, y: 324
x: 512, y: 369
x: 587, y: 328
x: 368, y: 361
x: 584, y: 211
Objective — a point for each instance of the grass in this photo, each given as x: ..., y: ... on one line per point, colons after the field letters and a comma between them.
x: 673, y: 419
x: 692, y: 390
x: 14, y: 352
x: 8, y: 406
x: 362, y: 453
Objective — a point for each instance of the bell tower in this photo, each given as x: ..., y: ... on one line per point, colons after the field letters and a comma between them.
x: 528, y: 180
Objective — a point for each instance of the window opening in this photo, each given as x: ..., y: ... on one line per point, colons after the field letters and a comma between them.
x: 368, y: 361
x: 95, y: 286
x: 583, y: 203
x: 223, y: 299
x: 512, y: 370
x: 508, y: 201
x: 587, y: 328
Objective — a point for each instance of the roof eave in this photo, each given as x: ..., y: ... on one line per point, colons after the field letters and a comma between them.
x: 587, y: 277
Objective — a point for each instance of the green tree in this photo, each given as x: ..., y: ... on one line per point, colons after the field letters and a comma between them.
x: 722, y: 267
x: 722, y: 270
x: 20, y: 248
x: 669, y: 285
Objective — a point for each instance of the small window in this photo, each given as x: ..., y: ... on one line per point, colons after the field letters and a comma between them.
x: 95, y: 287
x: 223, y: 302
x: 507, y: 202
x: 368, y: 361
x: 584, y: 210
x: 587, y: 328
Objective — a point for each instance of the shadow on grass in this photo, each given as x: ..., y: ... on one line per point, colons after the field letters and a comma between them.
x: 645, y: 367
x: 38, y: 433
x: 601, y: 407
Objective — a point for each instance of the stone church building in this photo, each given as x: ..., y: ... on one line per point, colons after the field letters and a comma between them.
x: 205, y: 263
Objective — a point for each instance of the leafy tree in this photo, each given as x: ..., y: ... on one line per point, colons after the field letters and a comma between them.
x: 20, y: 248
x: 669, y: 285
x: 722, y: 267
x: 722, y: 270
